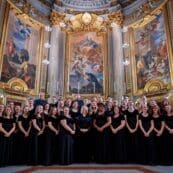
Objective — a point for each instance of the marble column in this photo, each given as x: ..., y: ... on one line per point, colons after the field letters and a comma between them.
x: 117, y: 76
x: 55, y: 82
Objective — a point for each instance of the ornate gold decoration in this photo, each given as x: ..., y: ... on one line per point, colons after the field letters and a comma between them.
x: 148, y: 13
x: 56, y: 17
x: 155, y: 86
x: 86, y: 21
x: 116, y: 17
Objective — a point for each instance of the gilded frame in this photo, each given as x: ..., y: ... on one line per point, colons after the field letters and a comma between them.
x: 152, y: 86
x: 21, y: 85
x: 105, y: 65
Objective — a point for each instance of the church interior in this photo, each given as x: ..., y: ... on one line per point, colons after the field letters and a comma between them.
x: 88, y: 84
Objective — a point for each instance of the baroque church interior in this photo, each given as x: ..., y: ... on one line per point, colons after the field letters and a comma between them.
x: 88, y: 84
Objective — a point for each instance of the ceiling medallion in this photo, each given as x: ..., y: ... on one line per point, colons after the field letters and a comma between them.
x: 86, y: 18
x: 86, y: 21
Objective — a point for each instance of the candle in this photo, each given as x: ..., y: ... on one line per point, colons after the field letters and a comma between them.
x: 78, y: 87
x: 114, y: 86
x: 94, y: 87
x: 57, y: 87
x: 47, y: 86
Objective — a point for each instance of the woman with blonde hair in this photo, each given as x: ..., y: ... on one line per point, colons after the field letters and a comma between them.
x: 37, y: 143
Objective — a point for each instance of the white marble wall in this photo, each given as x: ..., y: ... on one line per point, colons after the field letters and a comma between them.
x: 117, y: 78
x: 55, y: 80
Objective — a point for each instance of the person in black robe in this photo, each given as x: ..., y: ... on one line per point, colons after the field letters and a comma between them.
x: 158, y: 138
x: 83, y: 143
x: 7, y: 127
x: 1, y: 134
x: 24, y: 125
x: 40, y: 101
x: 37, y: 140
x: 168, y: 135
x: 118, y: 144
x: 146, y: 142
x: 16, y: 145
x: 101, y: 123
x: 52, y: 138
x: 131, y: 118
x: 66, y: 141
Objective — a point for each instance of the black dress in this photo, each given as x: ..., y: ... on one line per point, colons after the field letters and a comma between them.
x: 132, y: 138
x: 168, y: 141
x: 36, y: 151
x: 24, y: 141
x: 1, y: 135
x: 66, y: 142
x: 52, y: 142
x: 83, y: 143
x: 7, y: 143
x: 158, y: 142
x: 16, y: 142
x: 102, y: 145
x: 118, y: 144
x: 146, y: 144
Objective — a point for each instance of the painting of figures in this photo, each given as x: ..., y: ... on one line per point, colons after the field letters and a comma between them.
x: 86, y: 53
x: 20, y: 52
x: 151, y: 53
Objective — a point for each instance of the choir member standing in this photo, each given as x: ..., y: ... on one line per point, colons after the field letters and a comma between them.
x: 52, y: 138
x: 131, y: 118
x: 118, y: 145
x: 66, y: 141
x: 146, y: 142
x: 37, y: 147
x: 101, y: 123
x: 7, y: 127
x: 83, y: 143
x: 158, y: 129
x: 24, y: 125
x: 168, y: 142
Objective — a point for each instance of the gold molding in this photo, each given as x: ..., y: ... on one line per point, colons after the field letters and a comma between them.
x: 86, y: 21
x: 149, y: 14
x: 105, y: 66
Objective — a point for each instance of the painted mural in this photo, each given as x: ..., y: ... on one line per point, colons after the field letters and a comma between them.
x: 86, y: 63
x: 151, y: 53
x: 20, y: 52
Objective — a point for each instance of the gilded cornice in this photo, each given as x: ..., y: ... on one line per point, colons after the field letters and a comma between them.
x: 86, y: 21
x: 144, y: 13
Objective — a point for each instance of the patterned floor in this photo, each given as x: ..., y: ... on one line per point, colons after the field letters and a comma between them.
x: 89, y: 168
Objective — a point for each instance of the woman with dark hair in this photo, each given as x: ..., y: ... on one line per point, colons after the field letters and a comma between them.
x: 131, y: 118
x: 52, y: 138
x: 83, y: 143
x: 101, y: 123
x: 24, y: 125
x: 66, y: 133
x: 168, y: 135
x: 159, y: 125
x: 118, y: 148
x: 7, y: 127
x: 146, y: 142
x: 37, y: 147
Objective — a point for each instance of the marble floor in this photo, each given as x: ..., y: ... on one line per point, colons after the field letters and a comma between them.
x: 88, y: 168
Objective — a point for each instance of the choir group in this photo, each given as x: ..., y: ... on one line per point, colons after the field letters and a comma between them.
x: 70, y: 131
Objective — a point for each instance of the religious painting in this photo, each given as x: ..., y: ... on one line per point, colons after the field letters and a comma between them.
x: 151, y: 53
x: 2, y: 13
x: 86, y: 54
x: 20, y: 55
